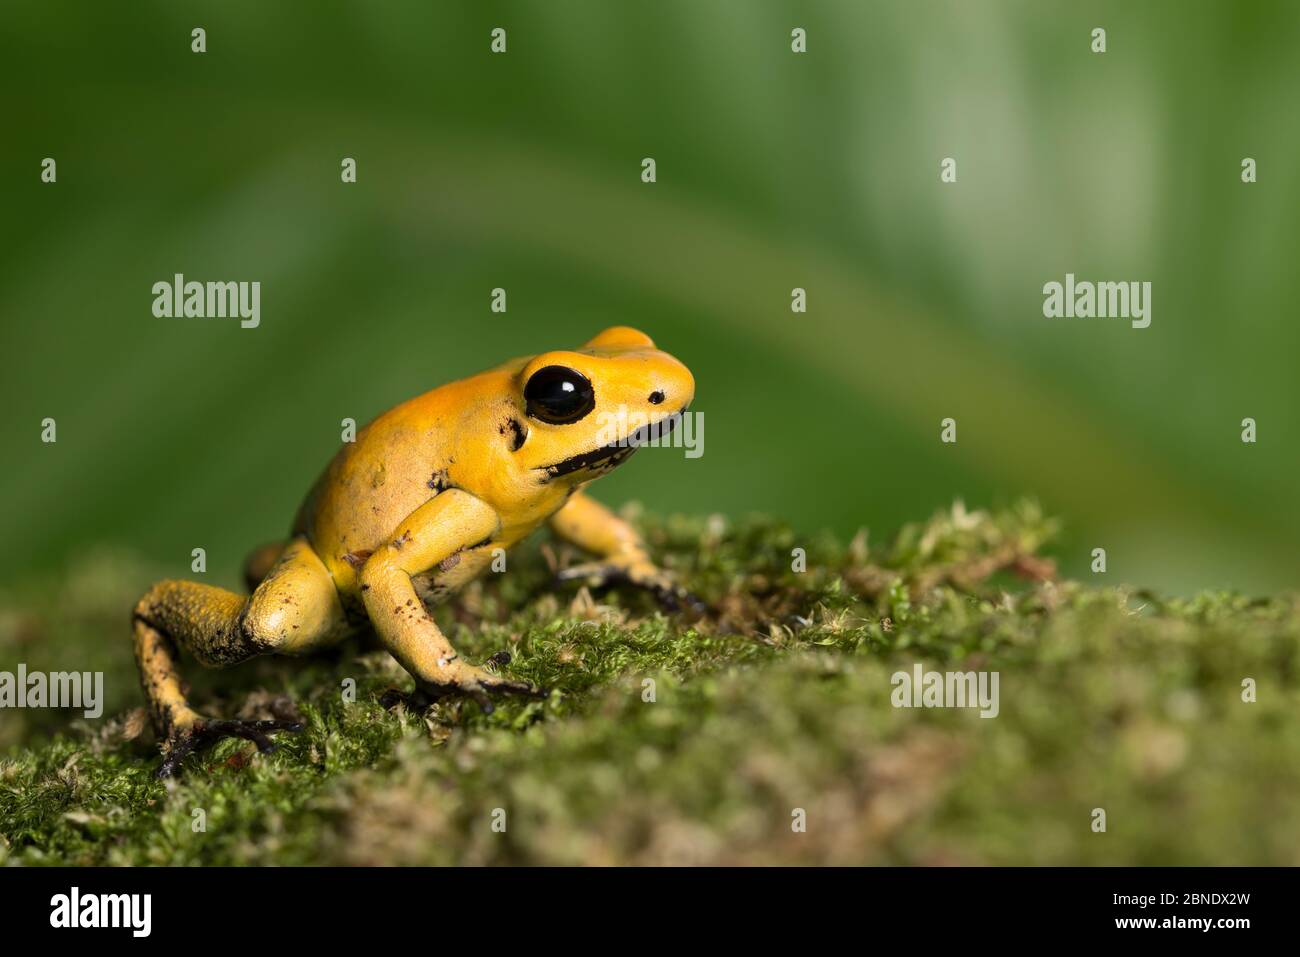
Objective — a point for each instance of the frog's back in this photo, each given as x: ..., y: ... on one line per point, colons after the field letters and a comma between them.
x: 397, y: 463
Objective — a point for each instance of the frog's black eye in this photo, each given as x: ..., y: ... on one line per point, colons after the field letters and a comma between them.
x: 559, y: 395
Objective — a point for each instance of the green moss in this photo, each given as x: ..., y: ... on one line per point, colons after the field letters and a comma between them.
x: 776, y: 702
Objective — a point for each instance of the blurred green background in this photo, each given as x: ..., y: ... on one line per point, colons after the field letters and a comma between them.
x: 775, y: 170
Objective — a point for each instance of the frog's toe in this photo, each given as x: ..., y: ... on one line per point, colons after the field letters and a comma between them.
x: 676, y: 598
x: 416, y: 700
x: 203, y: 734
x: 178, y: 747
x: 483, y: 686
x: 670, y: 596
x: 521, y: 688
x: 592, y: 574
x: 480, y: 684
x: 673, y: 597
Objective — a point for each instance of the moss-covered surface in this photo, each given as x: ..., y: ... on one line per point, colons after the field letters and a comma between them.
x: 779, y: 700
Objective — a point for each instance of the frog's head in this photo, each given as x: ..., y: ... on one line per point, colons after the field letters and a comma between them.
x: 588, y: 410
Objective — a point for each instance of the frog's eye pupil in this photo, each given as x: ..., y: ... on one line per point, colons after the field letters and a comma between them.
x: 559, y: 395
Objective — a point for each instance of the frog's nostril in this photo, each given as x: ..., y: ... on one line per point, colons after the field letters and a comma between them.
x: 656, y: 397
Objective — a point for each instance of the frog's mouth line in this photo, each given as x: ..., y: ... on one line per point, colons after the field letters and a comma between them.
x: 616, y: 452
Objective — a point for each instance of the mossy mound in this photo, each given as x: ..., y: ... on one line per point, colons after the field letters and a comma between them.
x: 671, y: 740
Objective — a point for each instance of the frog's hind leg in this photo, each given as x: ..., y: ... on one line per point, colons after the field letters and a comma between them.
x: 623, y: 557
x: 260, y: 562
x: 295, y: 608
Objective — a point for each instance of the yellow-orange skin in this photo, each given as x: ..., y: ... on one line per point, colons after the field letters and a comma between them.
x: 412, y: 510
x: 458, y: 436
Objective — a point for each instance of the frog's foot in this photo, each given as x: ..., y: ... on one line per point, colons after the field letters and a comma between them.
x: 202, y: 734
x: 644, y: 575
x: 416, y: 700
x: 460, y: 678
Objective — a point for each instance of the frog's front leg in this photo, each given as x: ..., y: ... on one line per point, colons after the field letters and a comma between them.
x: 448, y: 523
x: 621, y: 554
